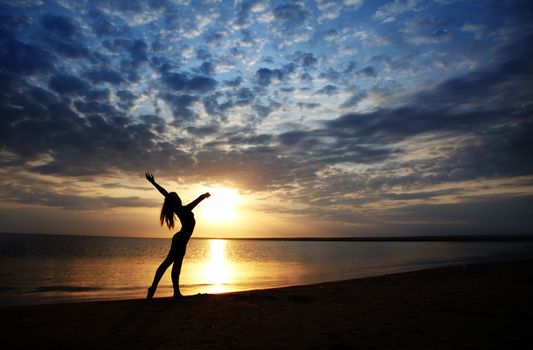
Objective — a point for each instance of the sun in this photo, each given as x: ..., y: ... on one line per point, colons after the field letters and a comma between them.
x: 221, y: 206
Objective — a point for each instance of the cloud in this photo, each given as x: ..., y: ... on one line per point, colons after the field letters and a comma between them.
x: 203, y: 130
x: 104, y: 75
x: 367, y: 72
x: 103, y: 26
x: 41, y: 196
x: 206, y: 68
x: 267, y: 76
x: 480, y: 106
x: 20, y: 58
x: 426, y: 30
x: 332, y: 9
x: 389, y: 11
x: 181, y: 105
x: 68, y: 84
x: 308, y: 105
x: 264, y: 110
x: 59, y: 26
x: 290, y: 24
x: 354, y: 100
x: 135, y: 12
x: 290, y: 15
x: 328, y: 90
x: 234, y: 82
x: 137, y: 50
x: 305, y: 59
x: 183, y: 82
x: 245, y: 9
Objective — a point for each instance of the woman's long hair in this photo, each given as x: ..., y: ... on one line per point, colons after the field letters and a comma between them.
x: 171, y: 203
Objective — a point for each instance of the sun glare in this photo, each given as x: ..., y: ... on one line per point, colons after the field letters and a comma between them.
x: 217, y: 272
x: 221, y: 206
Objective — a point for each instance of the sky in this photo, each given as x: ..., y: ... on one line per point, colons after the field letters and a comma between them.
x: 302, y: 118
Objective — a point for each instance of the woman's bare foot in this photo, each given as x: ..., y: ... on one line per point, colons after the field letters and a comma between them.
x: 178, y: 296
x: 150, y: 294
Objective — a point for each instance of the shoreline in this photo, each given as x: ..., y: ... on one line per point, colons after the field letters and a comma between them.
x: 474, y: 306
x: 259, y: 289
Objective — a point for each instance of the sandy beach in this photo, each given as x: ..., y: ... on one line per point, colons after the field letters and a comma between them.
x: 487, y: 306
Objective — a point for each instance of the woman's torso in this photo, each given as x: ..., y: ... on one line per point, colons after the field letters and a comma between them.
x: 187, y: 220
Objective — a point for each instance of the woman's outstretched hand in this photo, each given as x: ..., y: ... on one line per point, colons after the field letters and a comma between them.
x: 150, y: 177
x: 207, y: 195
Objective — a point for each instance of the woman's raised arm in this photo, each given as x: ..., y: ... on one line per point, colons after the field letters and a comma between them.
x: 195, y: 202
x: 151, y: 179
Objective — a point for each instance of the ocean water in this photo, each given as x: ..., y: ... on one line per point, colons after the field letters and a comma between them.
x: 47, y: 268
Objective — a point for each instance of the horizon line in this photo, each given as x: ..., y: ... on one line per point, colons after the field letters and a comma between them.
x: 410, y: 238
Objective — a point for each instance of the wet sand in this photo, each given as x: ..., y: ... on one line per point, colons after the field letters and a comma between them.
x: 488, y: 306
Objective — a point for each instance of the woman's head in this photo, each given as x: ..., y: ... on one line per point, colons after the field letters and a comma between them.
x: 171, y: 203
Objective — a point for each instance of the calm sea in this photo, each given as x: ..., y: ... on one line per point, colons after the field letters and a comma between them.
x: 46, y: 269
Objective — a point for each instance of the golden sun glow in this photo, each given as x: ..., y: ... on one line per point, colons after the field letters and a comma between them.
x: 217, y: 272
x: 221, y: 206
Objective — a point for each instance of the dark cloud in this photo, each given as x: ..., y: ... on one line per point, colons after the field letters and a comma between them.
x: 305, y: 59
x: 102, y: 25
x: 68, y: 84
x: 245, y: 8
x: 234, y: 82
x: 331, y: 75
x: 246, y: 139
x: 266, y: 76
x: 19, y: 58
x: 367, y: 72
x: 207, y: 68
x: 474, y: 216
x: 244, y: 95
x: 63, y: 36
x: 70, y: 50
x: 40, y: 196
x: 203, y: 54
x: 10, y: 24
x: 203, y: 130
x: 349, y: 67
x: 481, y: 105
x: 181, y: 105
x: 185, y: 83
x: 308, y: 105
x: 292, y: 138
x: 127, y: 98
x: 94, y: 107
x: 98, y: 94
x: 215, y: 38
x: 290, y: 15
x: 264, y: 110
x: 104, y: 75
x: 137, y: 50
x: 328, y: 90
x: 354, y: 100
x: 60, y: 26
x: 45, y: 125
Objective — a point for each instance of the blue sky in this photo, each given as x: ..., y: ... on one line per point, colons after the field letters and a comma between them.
x: 351, y: 117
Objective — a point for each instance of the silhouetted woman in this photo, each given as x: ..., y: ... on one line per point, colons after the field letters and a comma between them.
x: 171, y: 206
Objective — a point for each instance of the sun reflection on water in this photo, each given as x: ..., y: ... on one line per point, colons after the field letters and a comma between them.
x: 218, y: 271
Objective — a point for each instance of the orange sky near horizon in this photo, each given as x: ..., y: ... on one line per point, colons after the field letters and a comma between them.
x: 118, y: 206
x: 228, y: 213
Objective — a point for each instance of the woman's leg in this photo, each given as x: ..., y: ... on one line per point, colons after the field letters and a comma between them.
x: 158, y: 274
x: 176, y: 269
